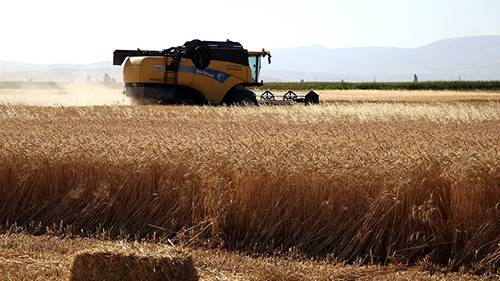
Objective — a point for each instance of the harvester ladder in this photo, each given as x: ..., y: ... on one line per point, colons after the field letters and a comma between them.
x: 172, y: 67
x: 169, y: 79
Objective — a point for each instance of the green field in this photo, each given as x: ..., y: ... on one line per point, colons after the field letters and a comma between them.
x: 436, y: 86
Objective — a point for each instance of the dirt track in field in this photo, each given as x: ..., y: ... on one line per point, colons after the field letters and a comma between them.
x: 65, y: 95
x: 95, y: 94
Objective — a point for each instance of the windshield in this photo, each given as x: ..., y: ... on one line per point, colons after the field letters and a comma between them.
x: 254, y: 63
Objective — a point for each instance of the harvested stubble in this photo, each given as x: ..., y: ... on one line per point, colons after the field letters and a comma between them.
x: 375, y: 183
x: 407, y: 96
x: 48, y: 258
x: 132, y: 264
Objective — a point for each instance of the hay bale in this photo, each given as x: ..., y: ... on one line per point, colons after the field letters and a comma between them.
x: 126, y: 264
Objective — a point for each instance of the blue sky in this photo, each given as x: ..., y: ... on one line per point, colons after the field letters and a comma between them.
x: 56, y: 31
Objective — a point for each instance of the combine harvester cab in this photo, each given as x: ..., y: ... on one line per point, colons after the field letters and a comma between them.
x: 199, y: 72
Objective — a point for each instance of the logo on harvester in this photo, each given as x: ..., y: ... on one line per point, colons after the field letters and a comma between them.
x: 159, y: 67
x: 211, y: 73
x: 221, y: 77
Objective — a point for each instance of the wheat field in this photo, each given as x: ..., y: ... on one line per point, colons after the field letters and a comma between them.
x: 367, y: 183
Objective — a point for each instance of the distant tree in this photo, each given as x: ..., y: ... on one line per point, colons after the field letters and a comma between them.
x: 89, y: 79
x: 107, y: 79
x: 415, y: 78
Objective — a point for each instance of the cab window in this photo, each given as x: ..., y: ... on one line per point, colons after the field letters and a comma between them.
x: 254, y: 63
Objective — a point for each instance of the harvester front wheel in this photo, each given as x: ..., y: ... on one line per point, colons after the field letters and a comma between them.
x: 241, y: 98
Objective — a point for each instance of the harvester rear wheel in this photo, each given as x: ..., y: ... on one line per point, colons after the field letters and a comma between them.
x: 241, y: 98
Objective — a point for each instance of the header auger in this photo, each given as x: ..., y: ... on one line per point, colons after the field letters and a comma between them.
x: 198, y: 72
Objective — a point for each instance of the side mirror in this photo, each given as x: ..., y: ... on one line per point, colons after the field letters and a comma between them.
x: 268, y: 54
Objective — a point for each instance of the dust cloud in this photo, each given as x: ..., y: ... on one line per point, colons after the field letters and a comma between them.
x: 65, y: 94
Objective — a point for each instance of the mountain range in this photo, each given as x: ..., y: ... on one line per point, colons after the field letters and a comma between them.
x: 20, y: 71
x: 467, y: 58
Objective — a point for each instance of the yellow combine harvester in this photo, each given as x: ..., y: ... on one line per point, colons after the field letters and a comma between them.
x: 199, y: 72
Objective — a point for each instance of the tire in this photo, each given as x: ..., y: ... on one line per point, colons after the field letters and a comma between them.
x: 188, y: 96
x: 241, y: 98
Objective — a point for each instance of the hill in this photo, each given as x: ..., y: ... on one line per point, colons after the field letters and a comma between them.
x: 18, y: 71
x: 470, y: 58
x: 467, y: 58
